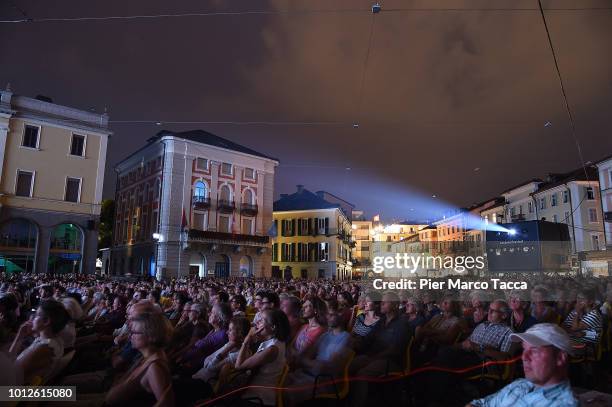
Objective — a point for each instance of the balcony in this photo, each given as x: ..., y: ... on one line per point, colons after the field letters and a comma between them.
x: 201, y: 203
x: 225, y: 206
x: 206, y: 236
x: 248, y: 209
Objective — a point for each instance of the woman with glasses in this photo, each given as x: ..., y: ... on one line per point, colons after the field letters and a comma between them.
x: 149, y: 381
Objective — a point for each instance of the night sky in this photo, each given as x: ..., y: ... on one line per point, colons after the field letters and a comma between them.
x: 453, y: 103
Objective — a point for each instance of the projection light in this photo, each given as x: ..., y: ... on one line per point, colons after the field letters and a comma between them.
x: 512, y: 232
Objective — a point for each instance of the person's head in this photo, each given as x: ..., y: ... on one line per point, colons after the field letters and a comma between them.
x: 546, y: 350
x: 315, y: 309
x: 222, y: 297
x: 45, y: 292
x: 154, y: 296
x: 139, y: 295
x: 238, y: 303
x: 345, y: 299
x: 50, y: 317
x: 73, y: 308
x: 498, y: 312
x: 334, y: 318
x: 257, y: 300
x: 450, y: 306
x: 238, y: 329
x: 179, y: 299
x: 539, y: 295
x: 515, y: 302
x: 220, y: 316
x: 269, y: 300
x: 119, y: 303
x: 413, y: 306
x: 291, y: 306
x: 150, y: 330
x: 274, y: 324
x: 197, y: 312
x: 389, y: 304
x: 372, y: 302
x: 584, y: 300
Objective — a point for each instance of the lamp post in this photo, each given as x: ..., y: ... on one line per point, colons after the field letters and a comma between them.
x: 158, y: 237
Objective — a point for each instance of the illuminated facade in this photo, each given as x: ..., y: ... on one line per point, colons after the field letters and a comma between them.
x: 52, y: 161
x: 193, y: 203
x: 313, y: 237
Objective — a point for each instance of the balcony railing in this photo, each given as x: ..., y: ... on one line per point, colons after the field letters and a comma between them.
x: 248, y: 209
x: 228, y: 238
x: 201, y: 202
x: 225, y: 206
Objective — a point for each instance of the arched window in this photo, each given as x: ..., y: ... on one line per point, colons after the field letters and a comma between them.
x: 200, y: 190
x: 248, y: 196
x: 65, y: 252
x: 225, y: 194
x: 18, y: 238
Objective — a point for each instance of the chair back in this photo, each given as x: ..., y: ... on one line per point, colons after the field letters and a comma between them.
x: 279, y: 384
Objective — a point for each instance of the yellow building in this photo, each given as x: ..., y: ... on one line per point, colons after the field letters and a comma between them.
x: 362, y: 234
x: 52, y: 161
x: 313, y: 237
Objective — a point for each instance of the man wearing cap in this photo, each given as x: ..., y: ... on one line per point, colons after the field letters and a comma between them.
x: 546, y: 350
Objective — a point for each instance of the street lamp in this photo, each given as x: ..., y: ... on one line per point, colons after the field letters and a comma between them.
x: 158, y: 237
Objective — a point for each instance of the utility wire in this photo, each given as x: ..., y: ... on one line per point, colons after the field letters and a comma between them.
x: 365, y: 68
x: 567, y: 107
x: 27, y: 19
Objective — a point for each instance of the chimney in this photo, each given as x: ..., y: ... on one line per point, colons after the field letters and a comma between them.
x: 300, y: 189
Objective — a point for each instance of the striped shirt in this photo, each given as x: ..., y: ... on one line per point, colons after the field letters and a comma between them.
x: 592, y: 334
x: 523, y: 393
x: 360, y: 328
x: 496, y: 336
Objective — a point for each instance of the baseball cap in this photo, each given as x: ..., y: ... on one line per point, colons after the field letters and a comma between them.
x: 544, y: 335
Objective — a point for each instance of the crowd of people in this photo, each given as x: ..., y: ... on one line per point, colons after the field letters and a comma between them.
x: 253, y: 341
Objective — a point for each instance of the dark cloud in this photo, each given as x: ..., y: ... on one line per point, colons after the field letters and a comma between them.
x: 444, y: 92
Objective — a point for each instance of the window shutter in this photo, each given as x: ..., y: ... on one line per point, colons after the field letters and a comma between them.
x: 292, y: 227
x: 315, y: 230
x: 309, y: 226
x: 327, y: 226
x: 299, y: 227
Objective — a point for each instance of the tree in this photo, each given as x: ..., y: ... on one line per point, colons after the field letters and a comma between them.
x: 107, y: 215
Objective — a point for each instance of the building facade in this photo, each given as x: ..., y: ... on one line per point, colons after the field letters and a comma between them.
x: 52, y: 161
x: 363, y: 231
x: 574, y: 199
x: 313, y: 237
x: 604, y: 168
x: 193, y: 203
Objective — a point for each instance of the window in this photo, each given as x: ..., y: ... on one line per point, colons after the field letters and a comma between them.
x: 590, y: 194
x: 248, y: 197
x: 553, y: 200
x: 567, y: 217
x: 227, y: 169
x: 494, y: 218
x: 30, y: 136
x: 154, y: 222
x: 542, y: 203
x: 530, y: 207
x: 565, y: 196
x: 73, y: 189
x: 225, y: 193
x: 595, y: 242
x: 610, y: 176
x: 592, y: 215
x: 199, y: 190
x: 224, y: 224
x: 157, y: 189
x: 249, y: 173
x: 78, y: 145
x: 25, y: 183
x: 198, y: 221
x: 202, y: 164
x: 247, y: 226
x: 555, y: 218
x: 512, y: 211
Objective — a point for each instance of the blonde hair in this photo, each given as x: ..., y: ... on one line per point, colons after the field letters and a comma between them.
x: 156, y: 327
